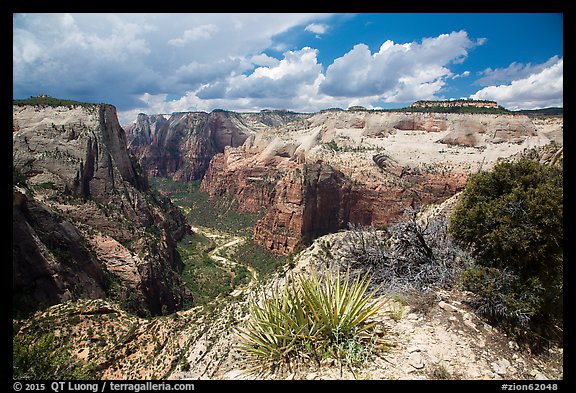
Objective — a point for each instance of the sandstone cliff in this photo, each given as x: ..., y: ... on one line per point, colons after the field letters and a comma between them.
x: 181, y: 145
x: 85, y: 223
x: 360, y: 167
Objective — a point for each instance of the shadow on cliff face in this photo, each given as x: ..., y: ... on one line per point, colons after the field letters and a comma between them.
x: 51, y: 262
x: 73, y: 185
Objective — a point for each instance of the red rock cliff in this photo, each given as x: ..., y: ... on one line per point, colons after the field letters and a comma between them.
x: 306, y: 200
x: 358, y: 167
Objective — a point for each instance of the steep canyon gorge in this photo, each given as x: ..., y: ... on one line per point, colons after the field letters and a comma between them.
x: 93, y: 238
x: 313, y: 174
x: 87, y: 225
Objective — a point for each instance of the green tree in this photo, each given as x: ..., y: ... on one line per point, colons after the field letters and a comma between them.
x: 511, y: 220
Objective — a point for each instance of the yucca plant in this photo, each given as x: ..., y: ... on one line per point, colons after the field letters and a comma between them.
x: 338, y: 306
x: 277, y: 327
x: 310, y: 316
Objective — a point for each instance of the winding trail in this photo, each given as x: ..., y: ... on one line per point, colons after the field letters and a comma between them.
x: 225, y: 263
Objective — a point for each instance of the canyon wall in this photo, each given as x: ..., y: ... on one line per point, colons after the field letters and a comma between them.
x: 361, y: 167
x: 181, y: 145
x: 85, y: 223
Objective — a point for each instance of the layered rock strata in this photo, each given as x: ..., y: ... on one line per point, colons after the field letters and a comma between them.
x: 359, y: 167
x: 181, y: 145
x: 85, y: 223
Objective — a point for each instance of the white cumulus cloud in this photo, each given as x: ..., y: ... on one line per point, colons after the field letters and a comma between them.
x: 514, y: 71
x: 281, y: 80
x: 197, y: 33
x: 397, y: 72
x: 316, y: 28
x: 541, y: 89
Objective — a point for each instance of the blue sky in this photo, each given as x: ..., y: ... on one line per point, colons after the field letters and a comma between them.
x: 161, y: 63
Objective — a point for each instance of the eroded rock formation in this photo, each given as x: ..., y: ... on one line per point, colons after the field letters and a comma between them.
x: 359, y: 167
x: 181, y: 145
x: 85, y: 223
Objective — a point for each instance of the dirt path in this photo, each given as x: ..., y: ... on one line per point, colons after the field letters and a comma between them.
x: 224, y: 262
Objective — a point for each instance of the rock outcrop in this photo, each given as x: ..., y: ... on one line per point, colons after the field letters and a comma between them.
x: 85, y: 222
x: 51, y: 260
x: 359, y: 167
x: 477, y: 130
x: 181, y: 145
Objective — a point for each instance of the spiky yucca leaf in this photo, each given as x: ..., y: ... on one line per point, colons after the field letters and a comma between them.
x: 277, y: 328
x: 311, y: 315
x: 339, y: 306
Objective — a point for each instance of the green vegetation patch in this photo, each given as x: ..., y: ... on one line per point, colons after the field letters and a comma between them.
x: 264, y: 261
x: 314, y: 317
x: 201, y: 210
x: 45, y: 358
x: 242, y: 275
x: 204, y: 278
x: 511, y: 220
x: 50, y: 101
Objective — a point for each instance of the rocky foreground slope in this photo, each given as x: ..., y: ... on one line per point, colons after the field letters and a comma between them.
x: 85, y: 224
x: 443, y: 340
